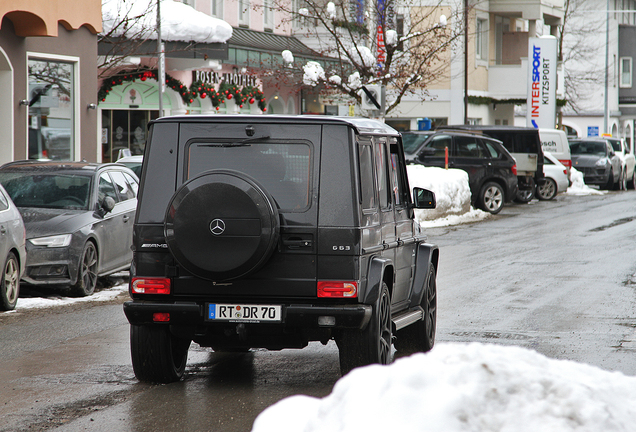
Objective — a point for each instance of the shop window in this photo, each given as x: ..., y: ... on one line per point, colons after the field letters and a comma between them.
x: 51, y: 109
x: 124, y: 129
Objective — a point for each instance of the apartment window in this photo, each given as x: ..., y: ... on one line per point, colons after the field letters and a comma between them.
x: 268, y: 15
x: 51, y: 109
x: 626, y: 72
x: 217, y: 9
x: 481, y: 39
x: 244, y: 12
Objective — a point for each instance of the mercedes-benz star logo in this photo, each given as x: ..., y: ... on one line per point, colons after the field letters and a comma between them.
x: 217, y: 227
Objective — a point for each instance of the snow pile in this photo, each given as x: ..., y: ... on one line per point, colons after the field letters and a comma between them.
x: 288, y: 57
x: 579, y: 187
x: 465, y: 388
x: 313, y: 72
x: 450, y: 187
x: 179, y: 22
x: 47, y: 302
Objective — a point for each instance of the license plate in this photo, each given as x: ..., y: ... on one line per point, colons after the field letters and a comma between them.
x: 244, y: 313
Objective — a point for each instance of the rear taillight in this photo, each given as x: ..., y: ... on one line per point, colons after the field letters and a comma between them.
x: 567, y: 163
x: 337, y: 289
x: 161, y: 317
x: 150, y: 285
x: 514, y: 169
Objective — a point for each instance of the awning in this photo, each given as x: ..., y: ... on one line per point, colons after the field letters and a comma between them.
x: 270, y: 42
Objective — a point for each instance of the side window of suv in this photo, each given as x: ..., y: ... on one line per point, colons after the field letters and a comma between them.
x: 366, y: 176
x: 468, y: 147
x: 382, y: 173
x: 439, y: 143
x: 492, y: 150
x: 400, y: 188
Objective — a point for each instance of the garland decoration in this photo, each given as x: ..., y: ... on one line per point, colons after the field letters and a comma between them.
x: 247, y: 94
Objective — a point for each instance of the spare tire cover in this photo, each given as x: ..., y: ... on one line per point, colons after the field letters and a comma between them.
x: 221, y: 225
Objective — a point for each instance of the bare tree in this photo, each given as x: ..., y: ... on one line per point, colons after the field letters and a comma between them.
x: 581, y: 50
x: 370, y: 45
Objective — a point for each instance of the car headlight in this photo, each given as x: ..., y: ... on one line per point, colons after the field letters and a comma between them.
x: 61, y: 240
x: 602, y: 162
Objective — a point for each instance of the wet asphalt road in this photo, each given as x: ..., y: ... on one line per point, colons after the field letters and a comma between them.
x: 556, y: 277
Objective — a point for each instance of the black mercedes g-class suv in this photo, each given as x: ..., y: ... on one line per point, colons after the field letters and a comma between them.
x: 271, y: 232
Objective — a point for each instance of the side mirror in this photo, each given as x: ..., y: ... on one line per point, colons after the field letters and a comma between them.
x: 423, y: 198
x: 108, y: 204
x: 426, y: 152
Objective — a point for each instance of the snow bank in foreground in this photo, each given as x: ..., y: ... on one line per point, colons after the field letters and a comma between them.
x: 465, y: 388
x: 450, y: 186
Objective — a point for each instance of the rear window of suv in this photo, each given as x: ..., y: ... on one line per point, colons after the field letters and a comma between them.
x: 284, y: 169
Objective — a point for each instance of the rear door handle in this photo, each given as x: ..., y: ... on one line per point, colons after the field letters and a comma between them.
x: 126, y: 218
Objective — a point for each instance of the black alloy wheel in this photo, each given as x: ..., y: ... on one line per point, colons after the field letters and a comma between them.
x: 87, y: 271
x: 10, y: 284
x: 420, y: 336
x: 157, y: 355
x: 373, y: 344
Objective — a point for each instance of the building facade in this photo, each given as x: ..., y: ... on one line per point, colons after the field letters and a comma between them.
x: 243, y: 75
x: 47, y: 71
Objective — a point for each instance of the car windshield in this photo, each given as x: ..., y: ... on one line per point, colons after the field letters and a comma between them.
x: 412, y: 141
x: 50, y: 190
x: 588, y: 148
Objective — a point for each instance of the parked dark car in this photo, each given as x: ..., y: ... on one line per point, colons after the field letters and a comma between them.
x: 78, y: 218
x: 274, y: 231
x: 12, y: 251
x: 597, y: 160
x: 524, y: 144
x: 492, y: 171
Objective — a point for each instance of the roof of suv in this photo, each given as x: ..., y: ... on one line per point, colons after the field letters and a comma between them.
x: 362, y: 125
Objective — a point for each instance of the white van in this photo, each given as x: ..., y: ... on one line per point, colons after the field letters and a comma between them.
x: 555, y: 141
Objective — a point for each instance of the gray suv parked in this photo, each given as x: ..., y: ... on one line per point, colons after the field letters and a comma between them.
x: 271, y: 232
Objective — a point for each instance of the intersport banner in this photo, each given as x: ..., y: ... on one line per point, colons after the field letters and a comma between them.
x: 542, y: 79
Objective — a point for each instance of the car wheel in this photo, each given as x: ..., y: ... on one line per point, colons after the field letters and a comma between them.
x: 547, y: 190
x: 491, y: 198
x: 371, y: 345
x: 222, y: 225
x: 157, y: 355
x: 87, y: 271
x: 10, y: 284
x: 631, y: 184
x: 420, y: 336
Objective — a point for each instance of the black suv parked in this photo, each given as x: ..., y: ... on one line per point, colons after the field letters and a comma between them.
x: 524, y: 145
x: 492, y: 171
x: 270, y: 232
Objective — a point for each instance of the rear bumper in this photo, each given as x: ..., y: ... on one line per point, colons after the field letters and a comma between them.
x: 297, y: 316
